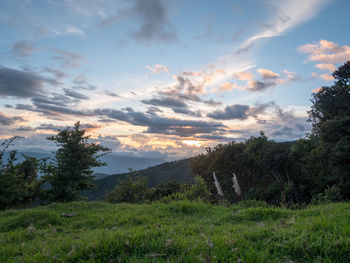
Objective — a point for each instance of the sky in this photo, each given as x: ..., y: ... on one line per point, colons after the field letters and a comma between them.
x: 166, y: 78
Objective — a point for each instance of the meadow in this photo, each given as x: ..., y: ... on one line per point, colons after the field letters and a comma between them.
x: 178, y: 231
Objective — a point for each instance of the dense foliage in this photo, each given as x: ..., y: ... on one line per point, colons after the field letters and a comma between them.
x: 70, y: 172
x: 133, y: 189
x: 19, y: 184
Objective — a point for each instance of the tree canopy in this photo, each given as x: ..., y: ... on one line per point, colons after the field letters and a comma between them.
x: 71, y: 170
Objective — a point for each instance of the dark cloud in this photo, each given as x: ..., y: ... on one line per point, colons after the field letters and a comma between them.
x: 75, y: 94
x: 155, y: 24
x: 161, y: 125
x: 187, y: 112
x: 23, y: 49
x: 25, y: 129
x: 260, y: 85
x: 185, y: 88
x: 112, y: 94
x: 166, y: 102
x: 68, y: 59
x: 8, y: 106
x: 177, y: 105
x: 212, y: 102
x: 235, y: 111
x: 260, y: 108
x: 54, y: 105
x: 55, y: 128
x: 6, y: 120
x: 20, y: 83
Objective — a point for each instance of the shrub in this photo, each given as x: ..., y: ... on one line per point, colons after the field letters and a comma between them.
x: 330, y: 194
x: 131, y: 189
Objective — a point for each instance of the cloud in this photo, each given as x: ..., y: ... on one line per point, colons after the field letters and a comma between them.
x: 109, y: 21
x: 176, y: 105
x: 329, y: 67
x: 267, y: 74
x: 258, y: 85
x: 191, y: 84
x: 75, y: 94
x: 287, y: 14
x: 160, y: 125
x: 68, y: 59
x: 166, y: 102
x: 20, y: 83
x: 54, y: 105
x: 6, y: 120
x: 158, y: 69
x: 155, y: 24
x: 74, y: 30
x: 326, y: 52
x: 23, y: 49
x: 212, y: 102
x: 243, y: 75
x: 109, y: 141
x: 291, y: 76
x: 82, y: 82
x: 235, y: 111
x: 58, y: 74
x: 55, y: 128
x: 324, y: 76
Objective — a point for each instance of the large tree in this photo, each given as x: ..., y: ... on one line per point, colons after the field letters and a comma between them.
x: 71, y: 170
x: 330, y: 116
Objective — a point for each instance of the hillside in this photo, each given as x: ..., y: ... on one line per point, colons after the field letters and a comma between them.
x: 174, y: 232
x: 177, y: 171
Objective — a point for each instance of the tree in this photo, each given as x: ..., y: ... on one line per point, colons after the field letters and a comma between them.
x: 330, y: 116
x: 19, y: 184
x: 70, y: 172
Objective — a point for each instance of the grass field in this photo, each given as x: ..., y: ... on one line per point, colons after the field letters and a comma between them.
x: 175, y: 232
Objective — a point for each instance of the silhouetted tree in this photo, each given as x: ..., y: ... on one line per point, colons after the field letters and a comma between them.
x: 71, y: 169
x: 330, y: 116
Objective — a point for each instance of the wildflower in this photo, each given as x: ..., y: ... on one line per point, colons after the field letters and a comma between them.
x: 217, y: 185
x: 236, y: 185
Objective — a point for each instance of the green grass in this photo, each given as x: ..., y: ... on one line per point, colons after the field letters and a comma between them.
x: 175, y: 232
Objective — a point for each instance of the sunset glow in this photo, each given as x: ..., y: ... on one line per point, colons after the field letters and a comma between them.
x: 163, y: 79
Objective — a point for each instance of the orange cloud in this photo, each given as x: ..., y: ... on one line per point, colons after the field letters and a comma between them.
x: 326, y: 52
x: 243, y: 75
x: 267, y: 74
x: 329, y: 67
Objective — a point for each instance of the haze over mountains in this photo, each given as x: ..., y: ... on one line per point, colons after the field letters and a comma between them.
x: 116, y: 162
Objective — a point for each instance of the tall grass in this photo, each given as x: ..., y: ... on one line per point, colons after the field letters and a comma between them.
x: 175, y: 232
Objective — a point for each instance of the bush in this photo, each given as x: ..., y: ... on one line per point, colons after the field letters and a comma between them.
x: 195, y: 192
x: 331, y: 194
x: 164, y: 190
x: 131, y: 189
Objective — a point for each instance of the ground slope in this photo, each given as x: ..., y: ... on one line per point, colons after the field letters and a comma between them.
x: 176, y: 171
x: 174, y: 232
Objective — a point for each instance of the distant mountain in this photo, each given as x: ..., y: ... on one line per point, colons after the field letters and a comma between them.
x: 121, y: 164
x: 177, y: 171
x: 115, y: 163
